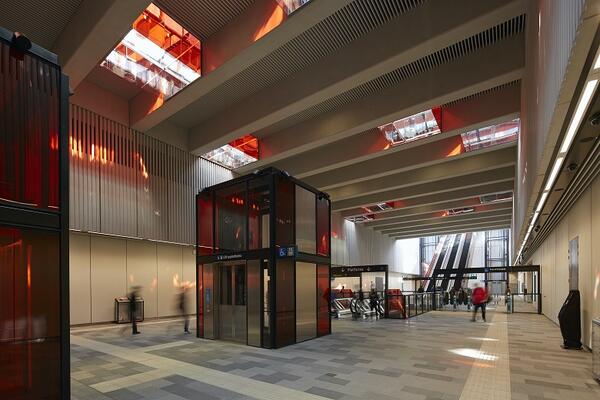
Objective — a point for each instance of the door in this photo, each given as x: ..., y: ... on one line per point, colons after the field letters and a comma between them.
x: 232, y: 302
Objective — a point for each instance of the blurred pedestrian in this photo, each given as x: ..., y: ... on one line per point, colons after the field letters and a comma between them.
x: 133, y: 309
x: 183, y: 308
x: 480, y: 298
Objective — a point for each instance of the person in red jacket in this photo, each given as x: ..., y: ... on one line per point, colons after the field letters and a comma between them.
x: 480, y: 296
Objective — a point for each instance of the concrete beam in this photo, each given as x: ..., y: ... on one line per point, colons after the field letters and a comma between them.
x: 479, y: 212
x: 451, y: 168
x: 193, y: 94
x: 445, y: 197
x: 448, y: 22
x: 449, y: 227
x: 475, y: 178
x: 418, y: 211
x: 479, y: 111
x: 94, y: 30
x: 450, y: 81
x: 456, y: 220
x: 503, y: 225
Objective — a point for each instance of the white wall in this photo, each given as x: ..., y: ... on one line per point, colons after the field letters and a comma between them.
x: 355, y: 244
x: 104, y: 267
x: 582, y: 221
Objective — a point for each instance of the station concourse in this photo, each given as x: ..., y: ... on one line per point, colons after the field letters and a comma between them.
x: 299, y: 199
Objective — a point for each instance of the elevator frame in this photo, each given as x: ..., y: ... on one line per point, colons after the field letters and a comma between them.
x: 18, y: 215
x: 208, y: 252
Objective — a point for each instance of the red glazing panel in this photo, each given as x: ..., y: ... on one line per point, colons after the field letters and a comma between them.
x: 200, y: 296
x: 29, y: 314
x: 205, y: 223
x: 29, y: 126
x: 284, y: 211
x: 323, y: 300
x: 323, y: 233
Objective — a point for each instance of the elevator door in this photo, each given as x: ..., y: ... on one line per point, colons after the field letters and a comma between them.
x: 232, y: 302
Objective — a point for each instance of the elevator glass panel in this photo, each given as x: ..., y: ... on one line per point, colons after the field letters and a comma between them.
x: 232, y: 302
x: 253, y: 302
x: 306, y: 301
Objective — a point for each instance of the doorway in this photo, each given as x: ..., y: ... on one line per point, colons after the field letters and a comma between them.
x: 232, y: 298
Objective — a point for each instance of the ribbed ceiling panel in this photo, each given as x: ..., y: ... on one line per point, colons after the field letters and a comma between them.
x: 41, y: 21
x: 322, y: 39
x: 484, y: 92
x: 469, y: 45
x: 203, y: 17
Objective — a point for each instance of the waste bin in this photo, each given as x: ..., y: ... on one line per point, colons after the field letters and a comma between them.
x: 122, y: 310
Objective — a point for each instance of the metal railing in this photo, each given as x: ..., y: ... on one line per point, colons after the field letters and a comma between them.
x: 524, y: 303
x: 409, y: 305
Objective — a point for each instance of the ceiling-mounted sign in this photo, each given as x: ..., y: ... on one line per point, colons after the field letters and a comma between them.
x: 356, y: 270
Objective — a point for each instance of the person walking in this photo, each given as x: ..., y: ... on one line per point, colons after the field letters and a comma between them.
x: 480, y: 297
x: 374, y: 303
x: 183, y: 308
x: 133, y: 309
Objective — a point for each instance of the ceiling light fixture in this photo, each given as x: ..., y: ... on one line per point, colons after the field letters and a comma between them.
x: 580, y: 110
x: 586, y: 97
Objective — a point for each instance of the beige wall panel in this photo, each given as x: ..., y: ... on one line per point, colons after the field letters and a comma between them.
x: 580, y: 225
x: 79, y: 279
x: 142, y: 271
x: 170, y: 273
x: 189, y: 276
x: 595, y: 240
x: 108, y: 275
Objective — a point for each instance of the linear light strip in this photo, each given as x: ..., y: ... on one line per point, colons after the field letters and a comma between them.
x: 574, y: 125
x: 588, y: 92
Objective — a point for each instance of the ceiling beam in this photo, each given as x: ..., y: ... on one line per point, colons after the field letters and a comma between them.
x: 454, y: 221
x: 193, y: 93
x: 488, y: 108
x: 452, y: 195
x: 433, y: 217
x: 448, y: 23
x: 475, y: 178
x: 503, y: 225
x: 419, y: 211
x: 94, y: 30
x: 449, y: 169
x: 456, y: 79
x: 481, y: 225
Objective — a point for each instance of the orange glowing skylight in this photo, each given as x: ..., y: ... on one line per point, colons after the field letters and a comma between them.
x: 235, y: 154
x: 157, y: 53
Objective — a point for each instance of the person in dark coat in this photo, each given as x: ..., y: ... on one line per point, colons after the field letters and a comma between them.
x: 374, y: 302
x: 135, y: 293
x: 183, y: 308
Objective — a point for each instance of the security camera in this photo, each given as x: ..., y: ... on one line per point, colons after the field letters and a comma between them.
x: 571, y: 167
x: 595, y: 119
x: 537, y: 228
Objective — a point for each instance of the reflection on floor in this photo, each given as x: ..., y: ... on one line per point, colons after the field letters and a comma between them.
x: 439, y: 355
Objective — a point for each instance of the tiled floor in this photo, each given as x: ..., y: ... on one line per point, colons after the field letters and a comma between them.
x: 439, y: 355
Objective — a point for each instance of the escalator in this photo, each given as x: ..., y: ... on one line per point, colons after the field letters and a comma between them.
x: 451, y: 260
x: 438, y: 265
x: 462, y: 262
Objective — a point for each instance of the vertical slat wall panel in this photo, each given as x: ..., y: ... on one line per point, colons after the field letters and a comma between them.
x: 126, y: 183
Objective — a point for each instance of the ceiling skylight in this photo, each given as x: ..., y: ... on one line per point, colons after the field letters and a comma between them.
x: 235, y: 154
x: 496, y: 198
x: 157, y: 54
x: 491, y: 135
x: 411, y: 128
x: 289, y: 6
